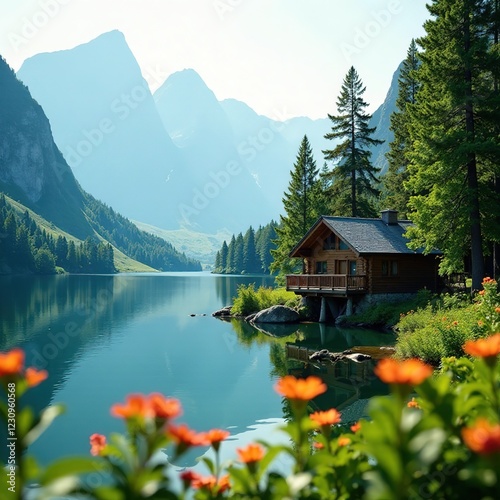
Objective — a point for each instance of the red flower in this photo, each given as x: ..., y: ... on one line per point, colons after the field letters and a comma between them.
x: 251, y: 454
x: 299, y: 388
x: 410, y: 371
x: 183, y: 435
x: 35, y: 377
x: 188, y: 476
x: 211, y: 484
x: 12, y: 362
x: 137, y: 405
x: 97, y: 444
x: 323, y: 418
x: 483, y: 348
x: 163, y: 407
x: 482, y: 437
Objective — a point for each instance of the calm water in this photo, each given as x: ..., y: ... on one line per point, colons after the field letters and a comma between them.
x: 103, y: 337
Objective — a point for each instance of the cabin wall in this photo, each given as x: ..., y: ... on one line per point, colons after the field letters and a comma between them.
x: 330, y: 257
x: 414, y: 272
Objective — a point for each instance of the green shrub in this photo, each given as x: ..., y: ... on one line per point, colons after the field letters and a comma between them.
x: 249, y: 300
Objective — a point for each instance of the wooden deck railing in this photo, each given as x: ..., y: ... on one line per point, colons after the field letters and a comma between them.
x: 326, y: 282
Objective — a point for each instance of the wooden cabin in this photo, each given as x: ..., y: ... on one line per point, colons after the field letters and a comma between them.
x: 351, y: 256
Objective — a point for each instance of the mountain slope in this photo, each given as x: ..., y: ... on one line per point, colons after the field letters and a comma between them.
x: 381, y: 119
x: 216, y: 190
x: 33, y: 171
x: 106, y: 125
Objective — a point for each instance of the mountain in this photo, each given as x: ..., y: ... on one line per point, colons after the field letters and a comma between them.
x: 34, y: 173
x: 105, y: 123
x: 217, y: 189
x: 381, y: 119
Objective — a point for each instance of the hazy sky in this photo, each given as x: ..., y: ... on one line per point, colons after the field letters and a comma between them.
x: 282, y: 57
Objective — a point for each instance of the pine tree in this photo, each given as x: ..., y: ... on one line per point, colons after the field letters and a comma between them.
x: 300, y: 204
x: 238, y: 254
x: 223, y: 257
x: 352, y: 155
x: 251, y: 260
x: 395, y: 195
x: 229, y: 268
x: 456, y: 156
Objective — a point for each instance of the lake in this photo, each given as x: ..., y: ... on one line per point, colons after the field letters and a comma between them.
x: 103, y: 337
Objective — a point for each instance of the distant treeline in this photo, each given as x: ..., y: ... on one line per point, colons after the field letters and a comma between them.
x: 139, y: 245
x: 26, y: 247
x: 249, y: 254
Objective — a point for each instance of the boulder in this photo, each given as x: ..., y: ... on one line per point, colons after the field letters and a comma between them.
x: 277, y: 314
x: 225, y: 311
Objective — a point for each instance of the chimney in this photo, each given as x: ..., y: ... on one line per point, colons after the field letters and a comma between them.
x: 389, y: 217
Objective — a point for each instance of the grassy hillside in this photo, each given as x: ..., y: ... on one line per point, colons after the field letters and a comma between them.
x: 122, y: 262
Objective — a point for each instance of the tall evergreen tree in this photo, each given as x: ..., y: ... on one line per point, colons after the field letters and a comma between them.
x: 229, y: 268
x: 251, y: 259
x: 395, y: 195
x: 300, y: 203
x: 456, y: 156
x: 352, y: 154
x: 238, y: 254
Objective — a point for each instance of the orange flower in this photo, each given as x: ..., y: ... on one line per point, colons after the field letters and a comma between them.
x: 487, y: 280
x: 34, y: 377
x: 482, y: 437
x: 412, y: 403
x: 343, y: 441
x: 410, y: 371
x: 97, y: 444
x: 216, y: 436
x: 481, y: 292
x: 299, y: 388
x: 183, y: 435
x: 483, y: 348
x: 497, y: 310
x: 356, y: 427
x: 329, y: 417
x: 251, y: 454
x: 163, y: 407
x: 318, y: 446
x: 12, y: 362
x: 210, y: 483
x: 137, y: 406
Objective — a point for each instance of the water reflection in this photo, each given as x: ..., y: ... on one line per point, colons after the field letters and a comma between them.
x: 350, y: 384
x: 103, y: 337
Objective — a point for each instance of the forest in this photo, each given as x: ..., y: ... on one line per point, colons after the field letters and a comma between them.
x: 444, y: 162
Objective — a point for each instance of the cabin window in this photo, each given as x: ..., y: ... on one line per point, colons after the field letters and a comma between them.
x: 352, y: 267
x: 321, y: 267
x: 394, y: 267
x: 389, y: 268
x: 342, y: 245
x: 329, y: 243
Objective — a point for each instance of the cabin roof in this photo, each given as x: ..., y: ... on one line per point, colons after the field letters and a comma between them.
x: 363, y: 236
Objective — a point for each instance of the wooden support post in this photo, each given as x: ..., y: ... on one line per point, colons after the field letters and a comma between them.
x: 322, y: 314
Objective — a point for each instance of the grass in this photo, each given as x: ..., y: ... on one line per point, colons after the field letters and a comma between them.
x: 249, y: 300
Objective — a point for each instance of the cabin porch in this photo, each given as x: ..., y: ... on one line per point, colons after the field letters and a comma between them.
x: 341, y: 284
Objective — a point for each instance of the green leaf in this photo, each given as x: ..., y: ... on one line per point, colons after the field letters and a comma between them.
x: 69, y: 467
x: 210, y: 464
x: 47, y: 416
